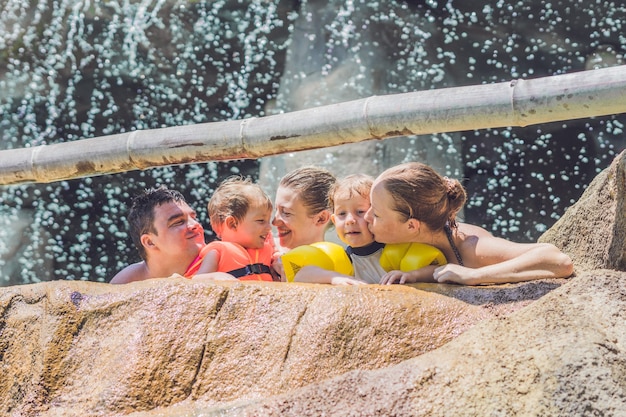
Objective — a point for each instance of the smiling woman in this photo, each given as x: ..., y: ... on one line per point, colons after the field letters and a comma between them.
x: 302, y: 207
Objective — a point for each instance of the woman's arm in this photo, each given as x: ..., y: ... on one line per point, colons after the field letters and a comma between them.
x: 495, y: 261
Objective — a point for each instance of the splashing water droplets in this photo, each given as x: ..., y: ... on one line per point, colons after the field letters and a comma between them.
x: 76, y: 69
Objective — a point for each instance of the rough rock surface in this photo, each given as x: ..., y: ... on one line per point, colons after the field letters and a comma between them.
x: 564, y: 355
x: 593, y: 231
x: 71, y: 348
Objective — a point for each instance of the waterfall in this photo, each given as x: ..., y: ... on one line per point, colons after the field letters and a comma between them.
x: 75, y: 69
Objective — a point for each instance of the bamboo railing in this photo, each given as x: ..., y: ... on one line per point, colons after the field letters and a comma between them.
x: 583, y: 94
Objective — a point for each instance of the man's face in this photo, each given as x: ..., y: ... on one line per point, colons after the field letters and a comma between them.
x: 178, y: 233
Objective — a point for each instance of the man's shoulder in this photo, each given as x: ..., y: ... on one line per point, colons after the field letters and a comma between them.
x: 134, y: 272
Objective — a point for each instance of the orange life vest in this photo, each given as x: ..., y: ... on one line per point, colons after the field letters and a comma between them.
x: 244, y: 264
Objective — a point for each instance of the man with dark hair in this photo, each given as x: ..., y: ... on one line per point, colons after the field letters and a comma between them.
x: 166, y: 233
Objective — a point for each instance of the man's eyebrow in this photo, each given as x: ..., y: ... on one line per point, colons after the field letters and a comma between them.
x: 174, y: 217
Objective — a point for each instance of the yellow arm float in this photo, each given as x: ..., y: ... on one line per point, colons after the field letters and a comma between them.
x: 410, y: 256
x: 326, y: 255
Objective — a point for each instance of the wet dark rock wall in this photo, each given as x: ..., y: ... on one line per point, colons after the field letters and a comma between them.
x: 73, y: 69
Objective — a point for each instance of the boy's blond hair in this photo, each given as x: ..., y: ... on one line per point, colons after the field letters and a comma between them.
x: 350, y: 186
x: 234, y: 197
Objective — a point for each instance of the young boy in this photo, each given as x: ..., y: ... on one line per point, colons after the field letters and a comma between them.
x: 240, y: 214
x: 349, y: 201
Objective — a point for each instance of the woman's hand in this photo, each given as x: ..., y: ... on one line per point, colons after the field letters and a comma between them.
x: 345, y: 280
x: 277, y: 265
x: 458, y: 274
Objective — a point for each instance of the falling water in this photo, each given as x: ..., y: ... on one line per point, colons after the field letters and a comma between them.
x: 75, y: 69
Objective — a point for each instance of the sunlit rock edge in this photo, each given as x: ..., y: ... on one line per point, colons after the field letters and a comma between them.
x: 561, y: 356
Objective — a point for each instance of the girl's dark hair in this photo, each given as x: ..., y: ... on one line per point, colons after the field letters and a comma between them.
x: 419, y: 192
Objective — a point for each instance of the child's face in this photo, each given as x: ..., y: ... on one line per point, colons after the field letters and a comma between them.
x: 349, y: 220
x: 386, y: 224
x: 252, y: 231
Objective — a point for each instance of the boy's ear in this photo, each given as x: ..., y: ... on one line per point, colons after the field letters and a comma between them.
x: 332, y: 218
x: 231, y: 222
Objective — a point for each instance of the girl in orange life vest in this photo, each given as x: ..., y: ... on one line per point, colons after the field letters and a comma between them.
x: 240, y: 214
x: 413, y: 203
